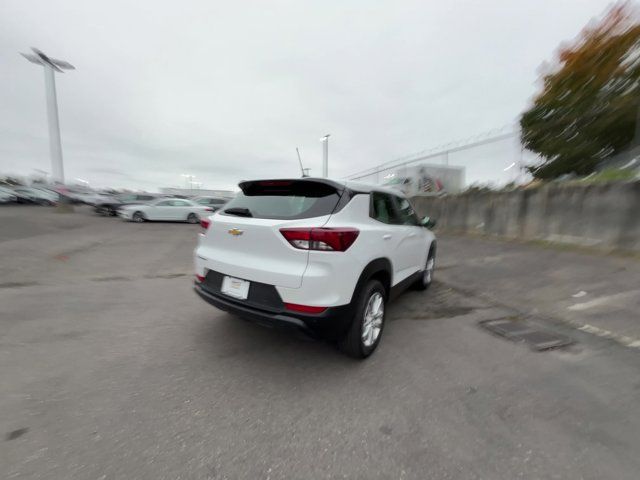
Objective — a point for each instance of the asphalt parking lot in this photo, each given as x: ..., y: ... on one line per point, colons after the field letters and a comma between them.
x: 112, y: 368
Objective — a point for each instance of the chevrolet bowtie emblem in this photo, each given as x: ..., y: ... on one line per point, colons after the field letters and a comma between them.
x: 235, y: 232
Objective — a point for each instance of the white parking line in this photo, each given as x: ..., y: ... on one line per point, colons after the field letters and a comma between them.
x: 577, y: 307
x: 601, y: 332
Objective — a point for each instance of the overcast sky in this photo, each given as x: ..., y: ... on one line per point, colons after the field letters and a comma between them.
x: 226, y: 90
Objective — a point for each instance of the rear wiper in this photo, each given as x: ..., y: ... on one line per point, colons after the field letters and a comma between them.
x: 241, y: 212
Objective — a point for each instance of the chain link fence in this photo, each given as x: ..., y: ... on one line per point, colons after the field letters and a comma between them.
x: 494, y: 158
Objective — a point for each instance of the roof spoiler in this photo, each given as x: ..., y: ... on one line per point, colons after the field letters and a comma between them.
x: 291, y: 186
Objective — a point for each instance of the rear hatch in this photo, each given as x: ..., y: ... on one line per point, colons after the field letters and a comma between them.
x: 244, y: 238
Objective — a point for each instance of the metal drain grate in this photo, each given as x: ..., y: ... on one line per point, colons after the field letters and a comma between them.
x: 520, y: 331
x: 506, y: 326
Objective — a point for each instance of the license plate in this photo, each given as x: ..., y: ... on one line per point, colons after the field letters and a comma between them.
x: 235, y: 287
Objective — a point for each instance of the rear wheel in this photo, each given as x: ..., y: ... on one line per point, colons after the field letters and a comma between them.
x: 192, y: 218
x: 105, y: 210
x: 366, y: 329
x: 138, y: 217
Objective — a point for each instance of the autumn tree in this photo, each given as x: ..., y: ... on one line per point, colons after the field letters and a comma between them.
x: 589, y: 103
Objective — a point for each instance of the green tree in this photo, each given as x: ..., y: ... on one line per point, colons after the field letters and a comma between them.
x: 590, y: 99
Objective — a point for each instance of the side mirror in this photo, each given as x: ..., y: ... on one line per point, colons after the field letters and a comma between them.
x: 428, y: 222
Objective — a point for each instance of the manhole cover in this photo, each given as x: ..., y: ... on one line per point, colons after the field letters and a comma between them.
x: 506, y: 327
x: 520, y: 331
x: 545, y: 341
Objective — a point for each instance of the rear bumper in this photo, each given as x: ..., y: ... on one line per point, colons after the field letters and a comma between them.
x: 331, y: 324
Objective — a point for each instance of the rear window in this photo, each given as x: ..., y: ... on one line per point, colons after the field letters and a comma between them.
x: 284, y: 200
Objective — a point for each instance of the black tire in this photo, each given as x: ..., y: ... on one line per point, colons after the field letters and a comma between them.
x: 426, y: 277
x: 138, y: 217
x: 353, y: 343
x: 193, y: 218
x: 107, y: 211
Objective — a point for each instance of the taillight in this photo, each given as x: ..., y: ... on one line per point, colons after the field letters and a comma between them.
x: 327, y: 239
x: 304, y: 308
x: 209, y: 209
x: 205, y: 222
x: 199, y: 278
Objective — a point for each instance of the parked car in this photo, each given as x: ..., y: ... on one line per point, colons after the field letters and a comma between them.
x: 319, y: 255
x: 110, y: 207
x: 90, y: 198
x: 17, y: 198
x: 39, y: 196
x: 20, y: 198
x: 6, y: 197
x: 176, y: 209
x: 212, y: 202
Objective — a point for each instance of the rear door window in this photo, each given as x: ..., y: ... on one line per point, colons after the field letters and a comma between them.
x: 382, y: 208
x: 283, y: 199
x: 406, y: 214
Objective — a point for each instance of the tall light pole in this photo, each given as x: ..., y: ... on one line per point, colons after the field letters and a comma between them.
x: 188, y: 180
x: 51, y: 65
x: 325, y: 155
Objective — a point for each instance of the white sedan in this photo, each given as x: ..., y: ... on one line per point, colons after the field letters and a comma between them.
x: 175, y: 209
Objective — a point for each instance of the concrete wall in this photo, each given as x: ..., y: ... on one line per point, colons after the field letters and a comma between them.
x: 605, y: 215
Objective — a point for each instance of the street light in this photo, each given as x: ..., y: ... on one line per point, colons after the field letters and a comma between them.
x: 51, y: 65
x: 187, y: 179
x: 325, y: 155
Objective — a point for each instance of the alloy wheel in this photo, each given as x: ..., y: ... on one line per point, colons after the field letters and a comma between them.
x: 373, y: 318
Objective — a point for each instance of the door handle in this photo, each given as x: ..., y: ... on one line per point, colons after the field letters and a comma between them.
x: 387, y: 237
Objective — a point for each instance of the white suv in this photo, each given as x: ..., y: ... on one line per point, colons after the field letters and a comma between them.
x: 320, y: 255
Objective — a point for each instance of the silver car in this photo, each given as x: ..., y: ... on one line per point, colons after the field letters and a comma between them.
x: 167, y: 209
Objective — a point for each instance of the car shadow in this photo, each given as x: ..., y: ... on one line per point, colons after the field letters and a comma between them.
x: 281, y: 355
x: 272, y: 352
